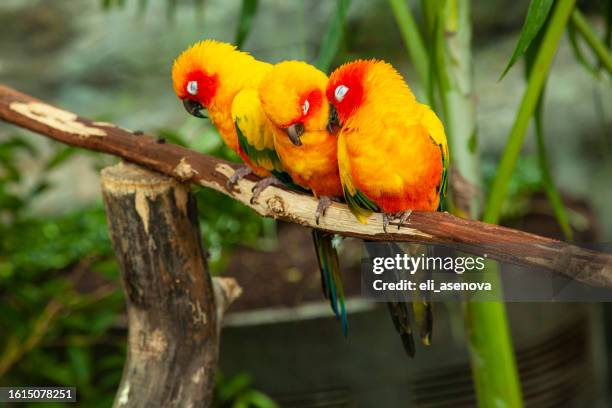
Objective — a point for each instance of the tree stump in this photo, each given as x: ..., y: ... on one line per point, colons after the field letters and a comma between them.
x: 173, y: 335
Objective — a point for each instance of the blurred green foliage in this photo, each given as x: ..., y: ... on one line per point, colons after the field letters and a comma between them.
x: 60, y: 298
x: 58, y: 287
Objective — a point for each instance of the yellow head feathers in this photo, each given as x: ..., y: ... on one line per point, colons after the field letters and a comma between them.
x: 367, y: 83
x: 201, y: 70
x: 294, y: 91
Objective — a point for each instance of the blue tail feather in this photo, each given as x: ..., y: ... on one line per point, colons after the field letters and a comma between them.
x: 330, y: 275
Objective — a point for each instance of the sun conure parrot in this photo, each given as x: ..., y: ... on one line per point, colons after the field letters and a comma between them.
x: 293, y: 97
x: 392, y: 155
x: 209, y: 75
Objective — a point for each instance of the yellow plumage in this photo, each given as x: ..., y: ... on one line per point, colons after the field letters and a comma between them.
x: 231, y: 71
x: 257, y: 130
x: 392, y: 150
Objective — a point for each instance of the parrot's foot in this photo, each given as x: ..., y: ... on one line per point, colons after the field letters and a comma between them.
x: 262, y: 184
x: 401, y: 216
x: 386, y: 219
x: 240, y: 173
x: 322, y: 206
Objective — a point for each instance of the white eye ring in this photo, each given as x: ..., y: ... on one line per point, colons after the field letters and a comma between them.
x: 340, y: 92
x: 305, y: 107
x: 192, y: 87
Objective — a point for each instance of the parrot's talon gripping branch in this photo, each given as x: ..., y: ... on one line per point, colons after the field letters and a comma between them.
x: 403, y: 217
x: 386, y: 220
x: 261, y: 185
x: 239, y: 174
x: 322, y: 206
x: 501, y: 243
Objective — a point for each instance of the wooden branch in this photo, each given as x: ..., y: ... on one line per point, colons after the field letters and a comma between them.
x: 497, y: 242
x: 173, y: 336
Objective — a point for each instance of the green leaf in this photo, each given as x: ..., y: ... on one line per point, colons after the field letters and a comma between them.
x: 578, y: 54
x: 412, y: 38
x: 608, y: 12
x: 247, y: 13
x: 333, y: 36
x: 17, y: 142
x: 60, y: 157
x: 234, y: 386
x: 80, y: 363
x: 536, y: 17
x: 260, y: 400
x: 590, y: 37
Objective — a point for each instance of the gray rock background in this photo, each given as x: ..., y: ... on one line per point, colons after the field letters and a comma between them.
x: 115, y: 65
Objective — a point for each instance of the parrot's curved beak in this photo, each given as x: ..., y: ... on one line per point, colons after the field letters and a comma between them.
x: 294, y: 132
x: 333, y: 123
x: 194, y: 108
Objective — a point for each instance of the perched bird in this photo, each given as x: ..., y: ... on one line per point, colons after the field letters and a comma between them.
x: 209, y: 75
x: 293, y: 97
x: 392, y: 150
x: 392, y: 155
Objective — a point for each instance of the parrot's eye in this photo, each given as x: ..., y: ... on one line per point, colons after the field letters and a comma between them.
x: 305, y: 107
x: 340, y: 92
x: 192, y: 87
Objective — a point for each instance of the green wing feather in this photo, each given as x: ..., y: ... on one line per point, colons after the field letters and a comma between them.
x: 359, y: 204
x: 443, y: 180
x: 265, y: 157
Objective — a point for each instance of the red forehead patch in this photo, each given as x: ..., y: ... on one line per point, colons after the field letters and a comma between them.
x: 351, y: 76
x: 205, y: 88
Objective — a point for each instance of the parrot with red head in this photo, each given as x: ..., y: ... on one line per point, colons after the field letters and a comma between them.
x: 210, y: 75
x: 392, y: 156
x: 293, y: 97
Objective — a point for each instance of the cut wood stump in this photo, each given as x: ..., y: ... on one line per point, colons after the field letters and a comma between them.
x: 174, y: 320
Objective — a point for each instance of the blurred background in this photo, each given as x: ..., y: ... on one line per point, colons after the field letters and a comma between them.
x: 62, y: 318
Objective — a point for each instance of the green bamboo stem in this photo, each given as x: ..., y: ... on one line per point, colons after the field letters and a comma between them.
x: 537, y: 78
x: 412, y: 39
x: 456, y: 84
x: 493, y: 363
x: 597, y: 46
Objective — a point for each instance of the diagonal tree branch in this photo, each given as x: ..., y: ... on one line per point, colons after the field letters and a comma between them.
x: 505, y: 244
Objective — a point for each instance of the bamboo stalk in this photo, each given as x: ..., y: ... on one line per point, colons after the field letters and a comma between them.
x: 492, y: 357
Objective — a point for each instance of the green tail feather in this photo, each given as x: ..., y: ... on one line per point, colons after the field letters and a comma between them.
x: 331, y: 279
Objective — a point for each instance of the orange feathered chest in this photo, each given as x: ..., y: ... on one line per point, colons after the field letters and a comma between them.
x: 314, y: 164
x: 393, y: 161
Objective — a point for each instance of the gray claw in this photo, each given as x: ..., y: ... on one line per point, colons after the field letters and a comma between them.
x: 403, y: 217
x: 386, y: 220
x: 239, y: 174
x: 322, y: 206
x: 261, y: 185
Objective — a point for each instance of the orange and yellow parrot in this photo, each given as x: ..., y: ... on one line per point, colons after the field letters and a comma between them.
x: 293, y: 97
x: 211, y: 75
x: 392, y: 155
